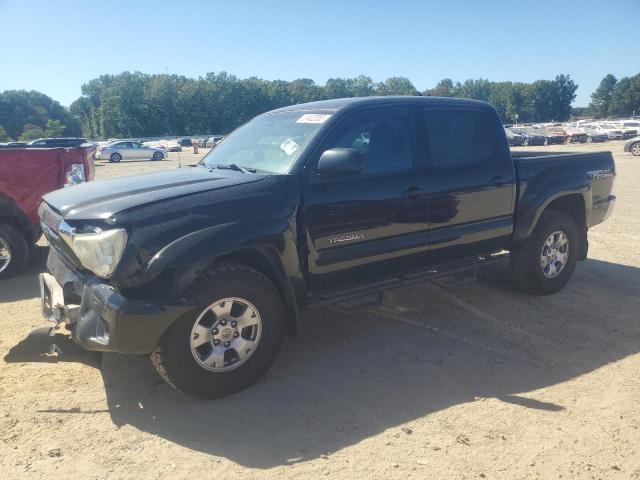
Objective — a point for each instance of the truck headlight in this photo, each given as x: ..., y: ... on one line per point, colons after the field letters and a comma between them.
x: 99, y: 251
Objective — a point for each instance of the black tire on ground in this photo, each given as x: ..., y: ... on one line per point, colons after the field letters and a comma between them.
x: 157, y: 156
x: 18, y: 249
x: 173, y: 358
x: 526, y: 269
x: 115, y: 158
x: 634, y: 148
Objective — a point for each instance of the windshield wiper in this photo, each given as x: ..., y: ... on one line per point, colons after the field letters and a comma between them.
x: 233, y: 166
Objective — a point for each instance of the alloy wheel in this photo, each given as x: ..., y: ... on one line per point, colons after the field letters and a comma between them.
x: 555, y: 254
x: 5, y: 255
x: 225, y: 334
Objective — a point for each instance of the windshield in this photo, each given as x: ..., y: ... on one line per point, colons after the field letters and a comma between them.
x: 269, y: 143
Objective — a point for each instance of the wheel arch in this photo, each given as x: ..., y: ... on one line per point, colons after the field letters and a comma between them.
x: 11, y: 214
x: 572, y: 202
x: 273, y: 254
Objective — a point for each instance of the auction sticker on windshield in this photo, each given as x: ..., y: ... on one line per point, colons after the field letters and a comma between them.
x: 313, y: 118
x: 289, y: 146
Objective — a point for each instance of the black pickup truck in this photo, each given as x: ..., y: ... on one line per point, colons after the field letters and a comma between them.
x: 206, y: 268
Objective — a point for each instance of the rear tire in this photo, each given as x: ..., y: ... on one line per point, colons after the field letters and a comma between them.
x: 115, y: 158
x: 181, y: 355
x: 14, y: 251
x: 528, y: 262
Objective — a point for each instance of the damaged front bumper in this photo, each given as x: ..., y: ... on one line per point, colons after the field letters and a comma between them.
x: 99, y: 317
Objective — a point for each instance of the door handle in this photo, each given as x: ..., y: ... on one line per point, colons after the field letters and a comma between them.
x: 414, y: 192
x: 498, y: 180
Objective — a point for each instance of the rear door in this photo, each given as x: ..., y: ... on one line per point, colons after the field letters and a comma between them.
x: 373, y: 223
x: 470, y: 180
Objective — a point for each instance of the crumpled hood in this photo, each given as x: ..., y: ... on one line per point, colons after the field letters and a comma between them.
x: 102, y: 199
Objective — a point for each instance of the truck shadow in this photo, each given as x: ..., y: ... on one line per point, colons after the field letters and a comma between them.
x: 354, y: 375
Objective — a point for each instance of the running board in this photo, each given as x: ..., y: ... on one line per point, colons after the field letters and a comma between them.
x: 351, y: 295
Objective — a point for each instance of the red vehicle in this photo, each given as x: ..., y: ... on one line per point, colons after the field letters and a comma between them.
x: 26, y: 174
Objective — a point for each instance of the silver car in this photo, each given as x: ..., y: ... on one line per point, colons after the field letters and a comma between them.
x: 633, y: 145
x: 129, y: 150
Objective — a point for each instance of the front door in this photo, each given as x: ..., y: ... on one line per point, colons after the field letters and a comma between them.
x: 372, y: 223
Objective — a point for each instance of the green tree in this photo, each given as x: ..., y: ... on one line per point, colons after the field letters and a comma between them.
x: 444, y: 88
x: 54, y: 128
x: 31, y: 132
x: 396, y: 86
x: 625, y: 99
x: 601, y: 98
x: 3, y: 135
x: 20, y: 107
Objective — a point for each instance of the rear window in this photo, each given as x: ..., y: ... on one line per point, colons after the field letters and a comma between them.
x: 458, y: 138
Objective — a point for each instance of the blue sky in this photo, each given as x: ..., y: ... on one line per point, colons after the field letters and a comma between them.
x: 56, y: 46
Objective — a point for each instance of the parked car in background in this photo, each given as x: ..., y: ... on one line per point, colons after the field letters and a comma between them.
x: 633, y: 145
x: 128, y: 150
x: 629, y: 128
x: 612, y: 131
x: 531, y: 136
x: 514, y: 139
x: 26, y: 174
x: 552, y: 137
x: 211, y: 142
x: 575, y: 134
x: 185, y: 142
x: 58, y: 142
x: 594, y: 133
x: 173, y: 146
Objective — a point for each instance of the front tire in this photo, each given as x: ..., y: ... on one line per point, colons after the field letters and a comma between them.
x: 14, y: 251
x: 233, y: 339
x: 545, y: 263
x: 115, y: 158
x: 635, y: 149
x: 157, y: 156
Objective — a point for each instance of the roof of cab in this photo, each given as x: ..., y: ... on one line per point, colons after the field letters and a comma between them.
x: 341, y: 103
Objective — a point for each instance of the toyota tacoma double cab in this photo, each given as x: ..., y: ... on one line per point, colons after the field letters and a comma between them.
x: 206, y: 269
x: 27, y: 173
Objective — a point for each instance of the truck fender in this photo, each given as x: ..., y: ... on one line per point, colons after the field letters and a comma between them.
x: 534, y: 202
x: 265, y: 245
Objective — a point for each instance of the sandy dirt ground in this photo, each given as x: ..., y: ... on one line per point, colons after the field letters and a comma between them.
x: 440, y: 382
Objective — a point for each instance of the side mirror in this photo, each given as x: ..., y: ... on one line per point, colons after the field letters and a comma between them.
x: 340, y: 162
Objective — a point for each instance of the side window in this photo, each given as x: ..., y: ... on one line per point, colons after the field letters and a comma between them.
x: 134, y: 145
x: 384, y: 138
x: 457, y: 138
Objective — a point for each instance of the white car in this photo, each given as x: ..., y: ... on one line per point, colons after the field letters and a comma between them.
x: 612, y: 132
x: 129, y: 150
x: 630, y: 128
